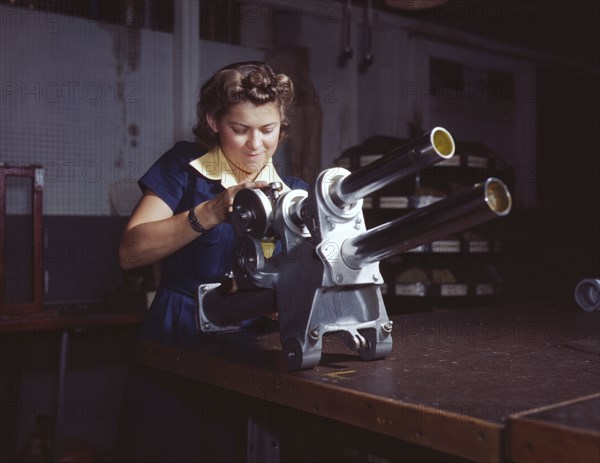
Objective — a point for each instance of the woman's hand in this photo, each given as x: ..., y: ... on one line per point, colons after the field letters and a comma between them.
x: 217, y: 210
x: 153, y: 232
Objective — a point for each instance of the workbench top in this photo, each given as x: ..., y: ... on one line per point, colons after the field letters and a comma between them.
x: 451, y: 382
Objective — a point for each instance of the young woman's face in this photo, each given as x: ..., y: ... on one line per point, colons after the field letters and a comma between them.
x: 249, y: 134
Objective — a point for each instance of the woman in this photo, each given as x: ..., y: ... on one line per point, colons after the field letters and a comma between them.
x: 181, y: 220
x: 188, y: 193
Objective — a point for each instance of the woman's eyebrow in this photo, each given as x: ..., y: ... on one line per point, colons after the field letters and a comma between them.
x: 248, y: 126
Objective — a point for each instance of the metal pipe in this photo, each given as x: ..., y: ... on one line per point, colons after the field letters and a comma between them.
x: 368, y: 58
x: 464, y: 210
x: 399, y: 163
x: 347, y: 31
x: 230, y: 309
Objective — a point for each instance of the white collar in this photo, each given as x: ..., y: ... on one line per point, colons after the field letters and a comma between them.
x: 214, y: 166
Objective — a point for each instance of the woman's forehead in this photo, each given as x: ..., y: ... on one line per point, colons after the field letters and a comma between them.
x: 250, y: 114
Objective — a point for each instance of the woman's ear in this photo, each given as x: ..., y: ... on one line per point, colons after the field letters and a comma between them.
x: 212, y: 123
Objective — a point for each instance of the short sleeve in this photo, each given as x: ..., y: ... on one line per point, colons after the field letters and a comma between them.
x: 168, y: 176
x: 295, y: 183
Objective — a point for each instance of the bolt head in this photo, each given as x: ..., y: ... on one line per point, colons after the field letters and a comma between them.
x: 387, y: 327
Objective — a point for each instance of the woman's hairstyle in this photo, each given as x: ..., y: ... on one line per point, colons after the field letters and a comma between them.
x: 249, y: 81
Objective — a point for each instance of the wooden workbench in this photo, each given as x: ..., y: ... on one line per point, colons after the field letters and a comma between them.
x: 57, y: 320
x: 451, y: 383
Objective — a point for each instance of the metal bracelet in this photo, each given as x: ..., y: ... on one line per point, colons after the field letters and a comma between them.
x: 194, y: 222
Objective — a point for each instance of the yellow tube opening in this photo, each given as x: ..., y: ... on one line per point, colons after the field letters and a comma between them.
x: 497, y: 196
x: 442, y: 142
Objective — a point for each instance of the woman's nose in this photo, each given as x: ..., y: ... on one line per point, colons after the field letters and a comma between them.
x: 253, y: 141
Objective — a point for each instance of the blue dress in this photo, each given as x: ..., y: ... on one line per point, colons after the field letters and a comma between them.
x: 167, y: 414
x: 205, y: 260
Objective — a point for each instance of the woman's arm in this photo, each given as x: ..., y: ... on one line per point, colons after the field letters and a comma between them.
x: 153, y: 232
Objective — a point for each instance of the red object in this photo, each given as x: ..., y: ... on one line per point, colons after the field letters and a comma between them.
x: 36, y: 173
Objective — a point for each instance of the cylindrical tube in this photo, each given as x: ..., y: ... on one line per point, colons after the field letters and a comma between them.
x: 587, y: 294
x: 484, y: 202
x: 230, y: 309
x: 400, y: 163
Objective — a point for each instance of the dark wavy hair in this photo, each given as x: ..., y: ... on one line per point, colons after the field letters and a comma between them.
x: 248, y: 81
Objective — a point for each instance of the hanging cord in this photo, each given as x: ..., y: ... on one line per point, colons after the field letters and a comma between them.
x: 347, y: 50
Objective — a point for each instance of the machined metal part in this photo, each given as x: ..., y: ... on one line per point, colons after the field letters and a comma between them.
x: 203, y: 321
x: 587, y: 294
x: 483, y: 202
x: 330, y: 225
x: 219, y: 311
x: 432, y: 147
x: 291, y: 208
x: 326, y: 279
x: 310, y: 308
x: 252, y: 213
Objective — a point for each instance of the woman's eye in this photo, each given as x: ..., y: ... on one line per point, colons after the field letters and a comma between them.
x: 267, y: 130
x: 239, y: 131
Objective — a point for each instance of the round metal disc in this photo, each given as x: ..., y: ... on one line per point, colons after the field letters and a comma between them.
x: 252, y: 213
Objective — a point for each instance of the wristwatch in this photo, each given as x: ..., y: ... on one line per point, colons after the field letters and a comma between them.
x: 194, y: 222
